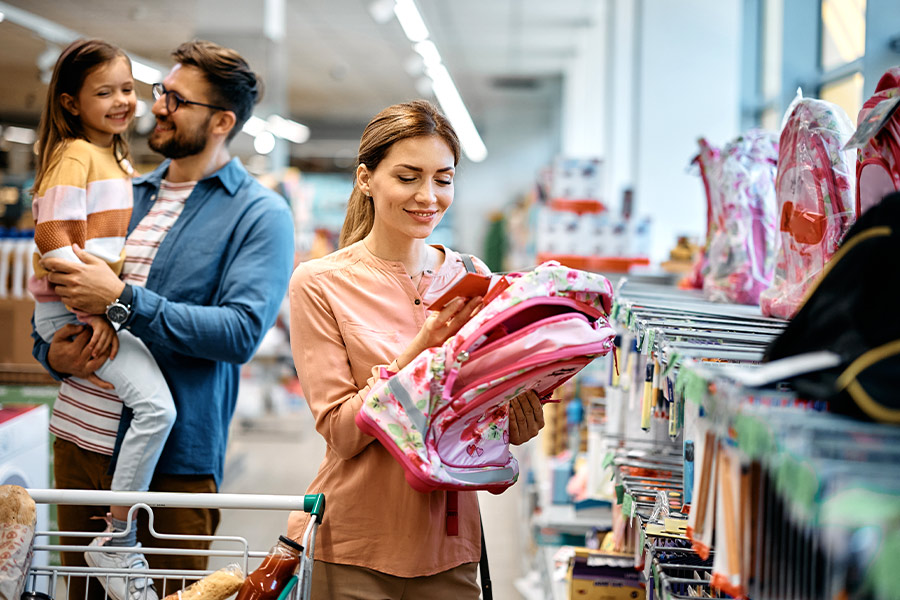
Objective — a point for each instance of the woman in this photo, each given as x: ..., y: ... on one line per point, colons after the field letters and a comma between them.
x: 363, y: 309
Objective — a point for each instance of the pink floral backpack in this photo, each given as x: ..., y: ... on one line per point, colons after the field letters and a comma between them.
x: 741, y: 249
x: 445, y: 417
x: 814, y: 187
x: 878, y: 163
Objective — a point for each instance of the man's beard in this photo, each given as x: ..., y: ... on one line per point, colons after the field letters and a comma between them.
x: 181, y: 144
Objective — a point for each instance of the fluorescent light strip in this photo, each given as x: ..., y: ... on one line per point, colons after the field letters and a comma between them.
x: 441, y: 83
x: 145, y: 73
x: 287, y: 129
x: 454, y: 107
x: 19, y: 135
x: 411, y: 21
x: 429, y: 53
x: 254, y: 126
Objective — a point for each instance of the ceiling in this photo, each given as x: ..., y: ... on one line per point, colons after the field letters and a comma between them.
x: 340, y: 66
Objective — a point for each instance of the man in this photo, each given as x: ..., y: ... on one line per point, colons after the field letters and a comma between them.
x: 210, y: 253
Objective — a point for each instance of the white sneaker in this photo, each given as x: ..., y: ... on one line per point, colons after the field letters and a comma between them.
x: 118, y: 586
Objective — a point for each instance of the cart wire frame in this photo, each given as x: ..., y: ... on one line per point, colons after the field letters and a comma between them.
x: 47, y: 579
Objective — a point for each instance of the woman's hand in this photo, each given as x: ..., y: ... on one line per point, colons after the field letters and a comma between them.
x: 526, y: 417
x: 439, y: 326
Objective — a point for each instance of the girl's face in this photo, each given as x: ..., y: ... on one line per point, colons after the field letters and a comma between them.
x: 106, y: 102
x: 412, y: 187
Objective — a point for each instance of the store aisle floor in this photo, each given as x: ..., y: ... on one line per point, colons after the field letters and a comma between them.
x: 279, y: 454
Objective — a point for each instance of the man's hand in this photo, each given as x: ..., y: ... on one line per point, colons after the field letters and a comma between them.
x: 526, y: 417
x: 89, y: 286
x: 70, y: 354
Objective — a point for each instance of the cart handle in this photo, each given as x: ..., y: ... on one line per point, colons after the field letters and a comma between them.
x: 314, y: 504
x: 311, y: 503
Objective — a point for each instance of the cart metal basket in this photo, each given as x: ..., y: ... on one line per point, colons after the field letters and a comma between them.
x: 54, y: 580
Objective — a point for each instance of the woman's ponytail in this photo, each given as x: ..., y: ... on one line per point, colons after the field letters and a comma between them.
x: 359, y: 219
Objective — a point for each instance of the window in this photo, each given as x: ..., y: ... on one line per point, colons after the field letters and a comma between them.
x: 846, y: 92
x: 843, y: 32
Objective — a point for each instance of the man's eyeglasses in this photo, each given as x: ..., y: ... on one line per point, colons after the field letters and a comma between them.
x: 173, y: 100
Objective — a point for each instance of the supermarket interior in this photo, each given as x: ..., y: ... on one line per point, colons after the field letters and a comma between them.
x: 680, y: 220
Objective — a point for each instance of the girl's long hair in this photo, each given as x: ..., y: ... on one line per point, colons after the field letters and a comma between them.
x: 394, y: 123
x: 59, y: 126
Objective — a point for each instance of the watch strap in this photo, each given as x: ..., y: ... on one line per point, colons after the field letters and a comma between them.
x: 126, y: 296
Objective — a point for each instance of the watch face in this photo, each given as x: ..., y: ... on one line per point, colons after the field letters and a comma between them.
x: 117, y: 313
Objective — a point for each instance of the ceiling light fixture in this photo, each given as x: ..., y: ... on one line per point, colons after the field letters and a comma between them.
x: 19, y: 135
x: 429, y: 53
x: 456, y: 111
x: 287, y: 129
x: 382, y: 11
x: 254, y: 126
x: 264, y: 143
x: 410, y: 20
x: 145, y: 73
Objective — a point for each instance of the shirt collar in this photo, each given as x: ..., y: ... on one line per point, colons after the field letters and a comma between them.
x: 231, y: 175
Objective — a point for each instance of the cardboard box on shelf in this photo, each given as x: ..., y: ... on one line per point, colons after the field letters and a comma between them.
x: 15, y: 323
x: 595, y: 575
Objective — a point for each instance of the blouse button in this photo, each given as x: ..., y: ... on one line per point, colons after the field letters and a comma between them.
x: 418, y: 302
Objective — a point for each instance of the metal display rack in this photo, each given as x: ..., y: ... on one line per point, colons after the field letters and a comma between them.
x: 785, y: 493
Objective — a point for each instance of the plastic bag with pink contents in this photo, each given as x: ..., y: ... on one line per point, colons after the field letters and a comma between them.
x: 815, y: 191
x: 741, y: 249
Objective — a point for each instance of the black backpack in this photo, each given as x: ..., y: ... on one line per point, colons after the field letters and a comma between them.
x: 854, y: 311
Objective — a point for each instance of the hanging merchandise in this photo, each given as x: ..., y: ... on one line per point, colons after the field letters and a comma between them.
x: 709, y: 161
x: 878, y: 140
x: 851, y: 311
x: 445, y: 416
x: 741, y: 250
x: 814, y: 188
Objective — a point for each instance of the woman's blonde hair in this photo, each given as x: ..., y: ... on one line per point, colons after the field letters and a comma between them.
x: 58, y: 126
x: 393, y: 124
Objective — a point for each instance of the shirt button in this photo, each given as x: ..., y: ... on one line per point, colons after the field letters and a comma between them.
x: 418, y: 302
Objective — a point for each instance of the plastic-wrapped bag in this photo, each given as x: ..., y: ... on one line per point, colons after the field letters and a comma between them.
x: 709, y: 162
x: 741, y: 251
x: 878, y: 163
x: 814, y: 187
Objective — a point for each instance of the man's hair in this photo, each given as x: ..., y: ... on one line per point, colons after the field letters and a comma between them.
x: 232, y: 83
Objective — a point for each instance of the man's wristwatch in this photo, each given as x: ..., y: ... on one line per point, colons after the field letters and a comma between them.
x: 120, y: 309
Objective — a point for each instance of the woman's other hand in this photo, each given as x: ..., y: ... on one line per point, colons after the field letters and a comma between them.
x: 526, y: 417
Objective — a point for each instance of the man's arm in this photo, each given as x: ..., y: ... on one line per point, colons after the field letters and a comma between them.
x: 251, y: 292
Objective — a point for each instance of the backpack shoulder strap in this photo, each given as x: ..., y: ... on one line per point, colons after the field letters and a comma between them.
x: 467, y: 261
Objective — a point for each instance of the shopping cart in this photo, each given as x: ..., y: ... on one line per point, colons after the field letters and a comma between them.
x: 46, y: 581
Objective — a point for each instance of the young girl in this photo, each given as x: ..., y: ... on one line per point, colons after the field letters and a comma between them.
x: 363, y: 309
x: 83, y: 198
